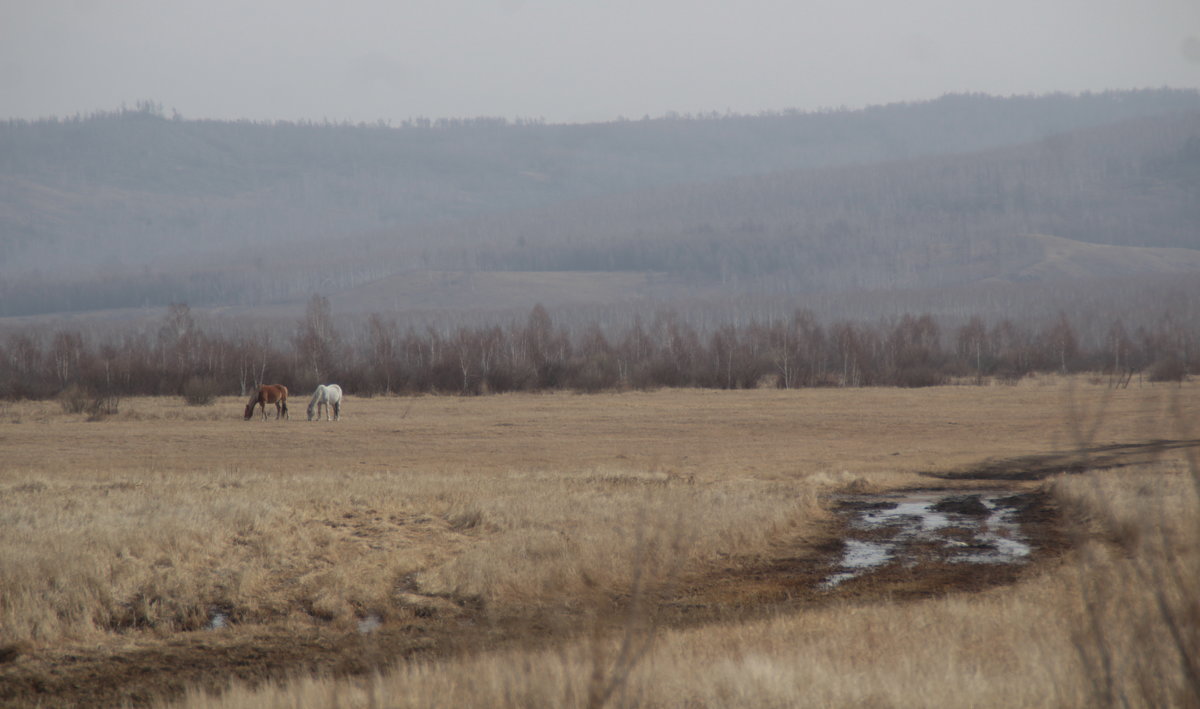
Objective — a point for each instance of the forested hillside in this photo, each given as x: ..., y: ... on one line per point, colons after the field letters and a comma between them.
x: 134, y: 208
x: 916, y: 222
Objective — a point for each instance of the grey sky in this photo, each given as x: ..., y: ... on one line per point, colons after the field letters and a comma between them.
x: 572, y: 60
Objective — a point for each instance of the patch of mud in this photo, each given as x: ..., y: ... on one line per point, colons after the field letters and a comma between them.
x: 929, y: 528
x: 143, y: 671
x: 1043, y: 465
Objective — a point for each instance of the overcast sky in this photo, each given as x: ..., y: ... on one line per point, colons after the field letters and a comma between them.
x: 572, y: 60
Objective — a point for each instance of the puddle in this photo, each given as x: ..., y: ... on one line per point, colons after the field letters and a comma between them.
x: 217, y: 620
x: 858, y: 558
x: 927, y: 526
x: 369, y: 624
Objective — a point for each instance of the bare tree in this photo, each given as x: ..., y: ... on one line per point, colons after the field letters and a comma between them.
x: 972, y: 342
x: 316, y: 339
x: 382, y: 338
x: 66, y: 350
x: 179, y: 345
x: 1060, y: 345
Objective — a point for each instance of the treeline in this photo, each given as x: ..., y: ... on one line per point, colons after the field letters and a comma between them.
x: 798, y: 351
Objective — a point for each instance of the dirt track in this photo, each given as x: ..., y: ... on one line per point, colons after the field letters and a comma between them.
x: 787, y: 577
x: 149, y: 670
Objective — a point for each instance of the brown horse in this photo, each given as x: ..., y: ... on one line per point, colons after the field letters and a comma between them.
x: 269, y: 394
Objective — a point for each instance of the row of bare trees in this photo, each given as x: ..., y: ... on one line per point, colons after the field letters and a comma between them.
x: 378, y: 356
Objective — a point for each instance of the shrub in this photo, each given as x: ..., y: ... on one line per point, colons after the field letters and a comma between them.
x: 594, y: 374
x: 918, y: 376
x: 100, y: 407
x: 1010, y: 375
x: 1168, y: 369
x: 74, y: 399
x: 77, y: 399
x: 200, y: 391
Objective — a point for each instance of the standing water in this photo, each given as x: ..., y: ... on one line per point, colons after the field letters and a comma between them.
x: 974, y: 528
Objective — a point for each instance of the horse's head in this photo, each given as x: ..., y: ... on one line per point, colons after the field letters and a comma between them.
x: 249, y: 411
x: 310, y: 412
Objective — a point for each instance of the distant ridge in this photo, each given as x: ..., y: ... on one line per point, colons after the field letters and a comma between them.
x: 135, y: 209
x: 1068, y: 259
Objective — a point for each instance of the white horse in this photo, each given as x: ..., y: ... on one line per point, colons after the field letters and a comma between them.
x: 329, y: 396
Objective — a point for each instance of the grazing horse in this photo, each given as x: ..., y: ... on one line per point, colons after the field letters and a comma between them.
x: 269, y: 394
x: 329, y: 396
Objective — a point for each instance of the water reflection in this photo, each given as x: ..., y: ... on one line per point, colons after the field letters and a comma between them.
x: 978, y: 528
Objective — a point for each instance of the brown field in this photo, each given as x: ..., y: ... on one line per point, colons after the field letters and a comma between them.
x: 624, y: 549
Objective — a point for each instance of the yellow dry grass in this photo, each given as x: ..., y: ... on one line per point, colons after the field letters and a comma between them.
x: 1095, y: 630
x: 147, y: 521
x: 1030, y: 645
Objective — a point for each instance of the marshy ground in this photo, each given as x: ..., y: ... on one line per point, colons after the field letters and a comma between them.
x: 171, y: 550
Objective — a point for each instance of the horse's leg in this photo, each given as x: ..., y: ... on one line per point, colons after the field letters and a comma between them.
x: 337, y: 411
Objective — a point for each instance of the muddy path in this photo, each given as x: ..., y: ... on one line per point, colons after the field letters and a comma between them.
x: 148, y: 670
x: 969, y: 531
x: 895, y: 547
x: 1042, y: 466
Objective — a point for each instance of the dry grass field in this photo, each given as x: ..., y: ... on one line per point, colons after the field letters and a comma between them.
x: 624, y: 549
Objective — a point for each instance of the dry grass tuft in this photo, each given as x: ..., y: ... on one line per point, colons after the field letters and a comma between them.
x: 77, y: 562
x: 545, y: 538
x: 1137, y: 634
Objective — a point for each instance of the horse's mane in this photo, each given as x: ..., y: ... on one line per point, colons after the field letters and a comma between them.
x: 316, y: 395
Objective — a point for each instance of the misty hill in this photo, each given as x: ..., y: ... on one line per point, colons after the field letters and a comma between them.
x: 134, y: 208
x: 1047, y: 264
x: 1064, y: 259
x: 909, y: 223
x: 1113, y: 202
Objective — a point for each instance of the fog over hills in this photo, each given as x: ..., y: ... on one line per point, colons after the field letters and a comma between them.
x: 134, y: 209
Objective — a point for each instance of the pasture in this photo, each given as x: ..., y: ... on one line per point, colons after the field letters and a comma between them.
x: 622, y: 549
